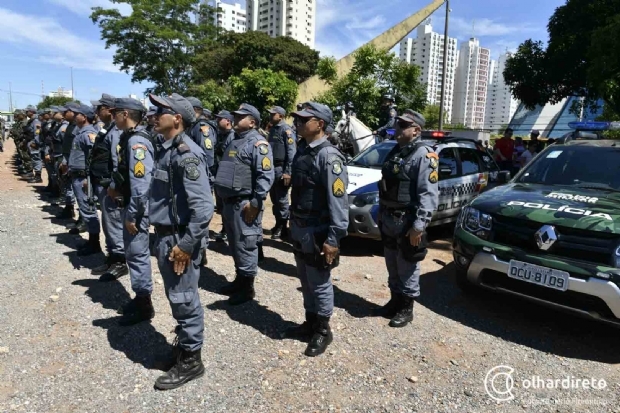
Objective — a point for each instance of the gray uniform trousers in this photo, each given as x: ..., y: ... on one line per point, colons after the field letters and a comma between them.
x: 138, y: 257
x: 88, y: 212
x: 182, y: 293
x: 35, y: 155
x: 112, y: 223
x: 242, y: 238
x: 279, y: 197
x: 316, y: 284
x: 404, y: 276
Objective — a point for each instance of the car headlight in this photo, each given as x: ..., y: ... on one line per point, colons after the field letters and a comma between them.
x: 371, y: 198
x: 476, y: 222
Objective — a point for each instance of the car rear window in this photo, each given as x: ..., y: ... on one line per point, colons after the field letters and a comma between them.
x: 595, y: 166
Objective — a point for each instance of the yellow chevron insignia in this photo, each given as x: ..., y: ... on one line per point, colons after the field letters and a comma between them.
x: 338, y: 188
x: 266, y: 164
x: 139, y: 170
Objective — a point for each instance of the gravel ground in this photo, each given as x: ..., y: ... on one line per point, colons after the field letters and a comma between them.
x: 62, y: 351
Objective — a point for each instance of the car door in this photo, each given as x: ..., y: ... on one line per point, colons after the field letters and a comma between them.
x: 449, y: 179
x: 474, y: 174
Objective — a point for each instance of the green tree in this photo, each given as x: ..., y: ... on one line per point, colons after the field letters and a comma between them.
x: 374, y: 73
x: 431, y: 115
x: 53, y: 101
x: 582, y: 57
x: 214, y: 95
x: 263, y: 88
x: 157, y: 42
x: 231, y: 53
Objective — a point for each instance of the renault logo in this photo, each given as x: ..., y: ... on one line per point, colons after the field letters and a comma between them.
x: 546, y: 237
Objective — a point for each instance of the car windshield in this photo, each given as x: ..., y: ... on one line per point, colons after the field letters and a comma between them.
x: 373, y: 157
x: 596, y: 167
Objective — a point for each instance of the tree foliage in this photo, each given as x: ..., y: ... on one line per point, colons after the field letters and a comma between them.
x: 263, y: 88
x: 374, y: 73
x: 53, y: 101
x: 157, y: 42
x: 431, y: 115
x: 582, y: 57
x: 214, y: 95
x: 231, y: 53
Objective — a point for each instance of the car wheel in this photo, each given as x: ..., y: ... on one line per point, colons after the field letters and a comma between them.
x: 463, y: 283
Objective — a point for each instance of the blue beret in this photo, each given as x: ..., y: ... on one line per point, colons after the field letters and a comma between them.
x: 247, y: 109
x: 128, y: 104
x: 316, y: 110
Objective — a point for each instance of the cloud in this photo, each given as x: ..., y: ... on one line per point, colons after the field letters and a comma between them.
x: 64, y: 48
x: 84, y: 7
x: 374, y: 23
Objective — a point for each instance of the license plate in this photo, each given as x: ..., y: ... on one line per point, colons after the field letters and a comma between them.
x: 535, y: 274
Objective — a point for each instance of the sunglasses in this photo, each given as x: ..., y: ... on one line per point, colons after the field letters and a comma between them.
x: 405, y: 125
x: 303, y: 121
x: 164, y: 111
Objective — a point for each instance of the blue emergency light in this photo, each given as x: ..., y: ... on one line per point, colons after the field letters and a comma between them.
x: 590, y: 125
x: 390, y: 132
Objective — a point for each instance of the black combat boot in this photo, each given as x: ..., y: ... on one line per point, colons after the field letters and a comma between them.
x: 27, y: 175
x: 93, y: 246
x: 67, y: 212
x: 116, y: 271
x: 321, y: 338
x: 205, y: 260
x: 261, y: 255
x: 232, y: 287
x: 245, y: 293
x: 79, y: 228
x: 103, y: 268
x: 188, y: 367
x: 284, y: 234
x: 138, y: 310
x: 405, y: 312
x: 390, y: 309
x: 36, y: 179
x: 221, y: 236
x: 303, y: 331
x: 276, y: 231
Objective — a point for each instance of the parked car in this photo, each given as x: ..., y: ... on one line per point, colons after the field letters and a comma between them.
x: 465, y: 170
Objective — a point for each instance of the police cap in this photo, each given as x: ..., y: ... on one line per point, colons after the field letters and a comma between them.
x: 128, y: 104
x: 411, y: 116
x: 224, y: 114
x: 84, y: 110
x: 278, y: 109
x: 247, y: 109
x: 195, y: 102
x: 177, y: 104
x: 315, y: 110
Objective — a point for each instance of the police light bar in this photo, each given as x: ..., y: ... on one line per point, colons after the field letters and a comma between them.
x: 590, y: 125
x: 435, y: 134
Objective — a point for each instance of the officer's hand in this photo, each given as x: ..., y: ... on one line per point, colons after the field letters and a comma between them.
x: 250, y: 213
x: 47, y: 158
x: 374, y: 132
x: 330, y: 253
x: 287, y: 179
x: 180, y: 259
x: 112, y: 193
x: 415, y: 237
x: 131, y: 227
x: 85, y: 184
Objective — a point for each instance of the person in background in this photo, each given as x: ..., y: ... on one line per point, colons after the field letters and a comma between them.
x: 531, y: 152
x: 516, y: 156
x: 504, y: 148
x: 534, y: 138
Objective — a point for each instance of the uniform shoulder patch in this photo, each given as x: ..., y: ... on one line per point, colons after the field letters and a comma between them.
x: 139, y: 170
x: 192, y: 172
x: 338, y: 188
x: 187, y: 161
x: 208, y: 144
x: 139, y: 146
x: 337, y: 168
x: 92, y: 137
x: 432, y: 155
x: 263, y: 149
x: 433, y: 177
x: 183, y: 148
x: 63, y: 129
x: 266, y: 164
x: 139, y: 154
x: 257, y: 144
x: 204, y: 129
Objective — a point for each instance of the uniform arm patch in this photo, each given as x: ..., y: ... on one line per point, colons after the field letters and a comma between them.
x: 433, y: 177
x: 338, y: 188
x: 266, y: 164
x: 139, y: 154
x: 139, y: 170
x: 92, y: 137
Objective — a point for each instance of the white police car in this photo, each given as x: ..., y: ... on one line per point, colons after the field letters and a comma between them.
x: 465, y: 170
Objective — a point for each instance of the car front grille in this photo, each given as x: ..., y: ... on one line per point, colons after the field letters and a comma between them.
x: 593, y: 247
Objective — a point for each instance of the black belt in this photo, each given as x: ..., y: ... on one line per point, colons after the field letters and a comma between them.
x: 310, y: 221
x: 165, y: 230
x: 78, y: 174
x: 278, y: 163
x: 236, y: 199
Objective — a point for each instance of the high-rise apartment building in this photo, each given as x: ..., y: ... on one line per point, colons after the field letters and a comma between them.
x: 293, y: 18
x: 501, y: 106
x: 470, y: 88
x: 231, y: 17
x: 426, y: 51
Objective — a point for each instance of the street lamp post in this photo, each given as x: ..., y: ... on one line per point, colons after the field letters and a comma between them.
x: 444, y: 69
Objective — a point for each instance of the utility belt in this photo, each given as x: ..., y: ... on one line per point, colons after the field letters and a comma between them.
x: 236, y: 199
x: 277, y: 163
x: 104, y: 182
x: 77, y: 174
x: 305, y: 222
x: 166, y: 230
x: 315, y: 258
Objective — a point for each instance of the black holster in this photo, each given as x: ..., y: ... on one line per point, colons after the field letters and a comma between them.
x: 411, y: 253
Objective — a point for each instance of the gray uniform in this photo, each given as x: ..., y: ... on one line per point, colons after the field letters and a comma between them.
x: 33, y: 131
x: 319, y: 214
x: 180, y: 174
x: 68, y: 132
x: 408, y: 197
x: 135, y: 166
x: 388, y: 115
x: 80, y: 150
x: 282, y: 141
x: 245, y: 174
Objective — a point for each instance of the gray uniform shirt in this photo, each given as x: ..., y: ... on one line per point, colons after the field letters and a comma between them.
x: 141, y: 159
x: 82, y: 144
x: 285, y: 134
x: 182, y: 165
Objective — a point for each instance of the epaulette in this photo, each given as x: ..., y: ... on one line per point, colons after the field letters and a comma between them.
x: 183, y: 148
x: 261, y: 142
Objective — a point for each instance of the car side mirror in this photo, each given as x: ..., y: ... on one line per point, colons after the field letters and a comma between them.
x: 445, y: 171
x: 503, y: 177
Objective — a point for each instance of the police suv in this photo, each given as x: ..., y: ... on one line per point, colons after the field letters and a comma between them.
x: 465, y: 170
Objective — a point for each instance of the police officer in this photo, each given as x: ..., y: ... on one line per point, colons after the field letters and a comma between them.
x: 150, y: 120
x: 387, y: 116
x: 349, y: 109
x: 68, y: 135
x: 225, y: 135
x: 130, y: 187
x: 408, y: 194
x: 282, y: 141
x: 49, y: 128
x: 244, y: 177
x: 319, y: 220
x: 55, y: 153
x: 181, y: 206
x: 84, y: 193
x: 31, y: 132
x: 101, y: 164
